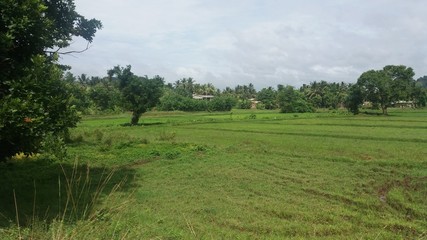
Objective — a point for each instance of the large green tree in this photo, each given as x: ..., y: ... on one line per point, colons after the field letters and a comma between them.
x: 140, y: 94
x: 34, y: 101
x: 383, y: 87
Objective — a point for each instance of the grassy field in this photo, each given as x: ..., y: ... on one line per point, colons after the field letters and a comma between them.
x: 240, y: 175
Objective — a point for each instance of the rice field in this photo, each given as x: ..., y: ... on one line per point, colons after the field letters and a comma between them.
x: 259, y: 175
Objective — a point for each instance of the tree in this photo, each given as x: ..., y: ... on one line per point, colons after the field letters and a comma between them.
x: 422, y: 81
x: 402, y: 81
x: 419, y: 96
x: 140, y: 94
x: 34, y: 101
x: 205, y: 89
x: 325, y: 95
x: 185, y: 87
x: 79, y: 96
x: 292, y: 101
x: 245, y: 92
x: 105, y: 96
x: 354, y: 99
x: 267, y: 96
x: 383, y: 87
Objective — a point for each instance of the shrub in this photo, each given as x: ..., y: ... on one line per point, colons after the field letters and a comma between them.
x: 223, y: 103
x: 244, y: 104
x: 166, y: 136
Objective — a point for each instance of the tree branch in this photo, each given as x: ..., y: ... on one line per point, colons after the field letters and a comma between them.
x: 70, y: 52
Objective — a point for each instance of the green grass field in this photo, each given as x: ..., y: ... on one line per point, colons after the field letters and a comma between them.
x: 245, y: 175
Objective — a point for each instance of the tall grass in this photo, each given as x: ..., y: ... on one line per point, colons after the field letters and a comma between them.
x: 86, y: 206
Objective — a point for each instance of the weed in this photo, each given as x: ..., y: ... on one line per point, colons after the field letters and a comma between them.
x: 98, y: 134
x: 154, y: 153
x: 144, y: 141
x: 166, y: 136
x: 172, y: 154
x: 252, y: 116
x: 78, y: 138
x: 199, y: 148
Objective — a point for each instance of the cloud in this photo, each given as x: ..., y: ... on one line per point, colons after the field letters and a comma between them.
x: 263, y: 42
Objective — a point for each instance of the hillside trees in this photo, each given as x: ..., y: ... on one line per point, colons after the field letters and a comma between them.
x: 34, y: 101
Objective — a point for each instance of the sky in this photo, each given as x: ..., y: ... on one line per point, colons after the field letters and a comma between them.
x: 263, y: 42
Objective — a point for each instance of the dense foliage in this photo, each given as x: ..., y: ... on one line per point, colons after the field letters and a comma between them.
x: 386, y: 87
x: 35, y: 102
x: 292, y: 101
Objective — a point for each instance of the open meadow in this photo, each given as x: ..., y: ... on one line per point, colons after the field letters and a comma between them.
x: 241, y: 175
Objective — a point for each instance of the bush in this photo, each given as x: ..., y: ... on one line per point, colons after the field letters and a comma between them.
x: 221, y: 103
x: 172, y: 101
x: 244, y: 104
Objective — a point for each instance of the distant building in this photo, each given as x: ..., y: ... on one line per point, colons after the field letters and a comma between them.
x: 203, y: 97
x: 254, y: 103
x: 404, y: 104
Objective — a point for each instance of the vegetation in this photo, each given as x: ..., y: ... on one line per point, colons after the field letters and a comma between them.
x: 34, y: 102
x: 302, y: 167
x: 291, y: 101
x: 212, y: 175
x: 385, y: 87
x: 140, y: 94
x: 422, y: 81
x: 396, y: 83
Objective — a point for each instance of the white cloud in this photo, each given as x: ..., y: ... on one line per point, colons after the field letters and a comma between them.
x: 264, y: 42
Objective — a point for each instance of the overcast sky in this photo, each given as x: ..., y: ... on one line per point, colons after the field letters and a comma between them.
x: 264, y: 42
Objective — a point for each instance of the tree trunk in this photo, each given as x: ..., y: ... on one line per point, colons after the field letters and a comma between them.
x: 135, y: 118
x: 384, y: 108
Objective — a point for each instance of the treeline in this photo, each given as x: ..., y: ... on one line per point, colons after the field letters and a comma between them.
x: 92, y: 95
